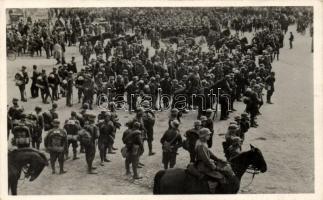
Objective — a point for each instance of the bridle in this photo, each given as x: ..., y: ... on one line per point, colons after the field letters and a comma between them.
x: 26, y: 170
x: 251, y: 170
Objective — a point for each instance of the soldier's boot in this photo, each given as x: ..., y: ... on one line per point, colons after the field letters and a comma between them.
x: 37, y: 145
x: 101, y: 157
x: 67, y: 156
x: 135, y: 172
x: 75, y: 154
x: 82, y: 150
x: 90, y: 170
x: 127, y: 168
x: 110, y: 151
x: 150, y: 146
x: 52, y: 164
x: 253, y: 123
x: 61, y: 166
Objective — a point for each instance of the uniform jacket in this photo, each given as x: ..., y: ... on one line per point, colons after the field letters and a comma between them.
x: 192, y: 136
x: 107, y: 131
x: 172, y: 135
x: 204, y: 158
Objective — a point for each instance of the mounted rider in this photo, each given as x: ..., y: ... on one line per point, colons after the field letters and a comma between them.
x: 208, y: 164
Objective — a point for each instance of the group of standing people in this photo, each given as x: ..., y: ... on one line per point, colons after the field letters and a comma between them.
x: 129, y: 75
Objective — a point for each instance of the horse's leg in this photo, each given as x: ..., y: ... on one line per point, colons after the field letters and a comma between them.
x: 9, y: 185
x: 13, y: 185
x: 157, y: 179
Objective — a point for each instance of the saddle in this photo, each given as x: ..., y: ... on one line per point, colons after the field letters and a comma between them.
x: 213, y: 179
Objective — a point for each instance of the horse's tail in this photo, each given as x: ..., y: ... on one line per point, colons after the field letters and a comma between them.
x: 157, y: 179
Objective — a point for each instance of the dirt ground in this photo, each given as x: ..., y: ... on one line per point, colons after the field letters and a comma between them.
x: 285, y: 135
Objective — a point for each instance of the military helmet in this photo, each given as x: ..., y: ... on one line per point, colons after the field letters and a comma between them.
x: 204, y: 132
x: 55, y: 122
x: 174, y: 123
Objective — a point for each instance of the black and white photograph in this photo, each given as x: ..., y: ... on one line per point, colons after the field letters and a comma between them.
x: 135, y: 100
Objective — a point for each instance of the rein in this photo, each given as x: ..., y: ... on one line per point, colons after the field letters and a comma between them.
x: 251, y: 170
x: 25, y: 170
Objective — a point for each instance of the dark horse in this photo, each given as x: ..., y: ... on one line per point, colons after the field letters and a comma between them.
x: 18, y: 159
x: 178, y: 181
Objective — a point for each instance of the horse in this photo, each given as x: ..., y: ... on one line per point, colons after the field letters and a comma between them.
x: 18, y: 159
x: 178, y: 181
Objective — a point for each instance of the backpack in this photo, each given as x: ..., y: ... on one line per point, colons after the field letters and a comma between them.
x: 21, y: 135
x: 85, y: 137
x: 167, y: 146
x: 55, y: 141
x: 71, y: 127
x: 47, y: 120
x: 149, y: 118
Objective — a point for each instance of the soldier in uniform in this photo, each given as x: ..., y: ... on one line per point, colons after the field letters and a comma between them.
x: 153, y: 91
x: 72, y: 126
x: 21, y: 80
x: 134, y: 144
x: 206, y: 161
x: 39, y: 126
x: 88, y: 91
x: 192, y: 136
x: 42, y: 83
x: 34, y: 88
x: 244, y: 125
x: 174, y: 115
x: 47, y: 46
x: 225, y: 97
x: 139, y: 118
x: 54, y: 81
x: 106, y: 138
x: 291, y: 39
x: 209, y: 125
x: 194, y: 81
x: 56, y: 144
x: 49, y: 116
x: 132, y: 91
x: 69, y: 89
x: 13, y: 112
x: 171, y: 141
x: 166, y: 86
x: 79, y: 81
x: 252, y: 102
x: 233, y: 131
x: 21, y: 133
x: 235, y: 148
x: 72, y: 66
x: 270, y: 81
x: 93, y: 130
x: 119, y: 89
x: 149, y: 122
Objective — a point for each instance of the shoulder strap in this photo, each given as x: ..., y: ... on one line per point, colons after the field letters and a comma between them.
x: 174, y: 138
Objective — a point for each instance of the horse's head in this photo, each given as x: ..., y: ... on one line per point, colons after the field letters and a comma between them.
x: 36, y: 164
x: 257, y: 159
